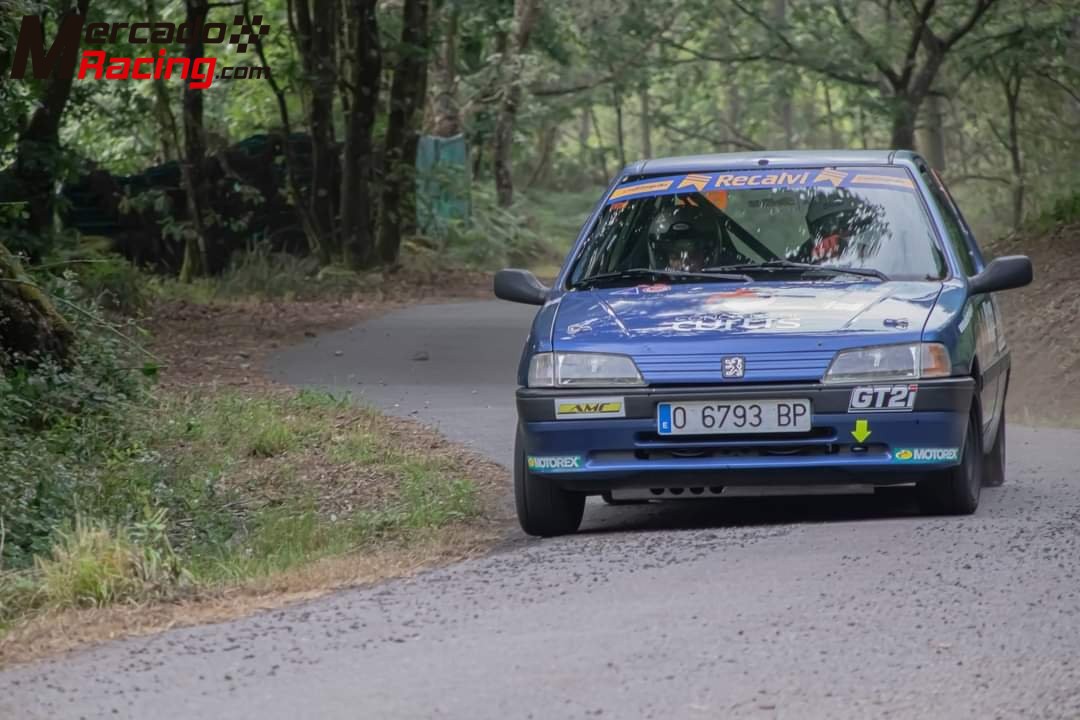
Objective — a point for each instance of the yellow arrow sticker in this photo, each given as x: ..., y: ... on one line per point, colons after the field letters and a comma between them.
x: 861, y: 431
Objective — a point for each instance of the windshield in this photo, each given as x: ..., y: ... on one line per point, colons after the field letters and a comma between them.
x: 840, y: 222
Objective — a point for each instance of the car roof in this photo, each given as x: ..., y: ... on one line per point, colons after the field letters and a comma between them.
x: 766, y: 158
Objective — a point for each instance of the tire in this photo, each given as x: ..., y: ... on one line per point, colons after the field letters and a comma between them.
x: 955, y: 491
x: 543, y: 508
x: 994, y: 462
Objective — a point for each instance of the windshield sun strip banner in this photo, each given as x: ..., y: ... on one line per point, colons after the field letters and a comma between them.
x: 788, y: 178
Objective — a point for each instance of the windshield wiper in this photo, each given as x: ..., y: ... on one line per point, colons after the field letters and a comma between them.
x: 638, y: 273
x: 781, y: 265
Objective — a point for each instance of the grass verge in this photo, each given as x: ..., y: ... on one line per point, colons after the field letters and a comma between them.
x: 195, y: 499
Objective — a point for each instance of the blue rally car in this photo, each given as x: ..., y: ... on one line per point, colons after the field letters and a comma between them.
x: 798, y: 319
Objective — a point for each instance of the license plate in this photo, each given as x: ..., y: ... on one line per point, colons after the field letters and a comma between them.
x: 732, y: 417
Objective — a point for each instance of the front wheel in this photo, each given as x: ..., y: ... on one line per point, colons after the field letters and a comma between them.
x: 955, y: 491
x: 994, y: 472
x: 543, y: 508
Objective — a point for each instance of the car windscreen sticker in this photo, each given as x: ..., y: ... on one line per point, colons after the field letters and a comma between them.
x: 710, y: 183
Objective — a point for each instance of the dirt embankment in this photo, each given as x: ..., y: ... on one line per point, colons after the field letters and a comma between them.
x: 1041, y: 324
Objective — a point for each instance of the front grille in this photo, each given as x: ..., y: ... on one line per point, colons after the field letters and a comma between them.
x: 704, y: 368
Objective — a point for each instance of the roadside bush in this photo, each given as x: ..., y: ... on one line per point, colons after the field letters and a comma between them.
x: 495, y: 237
x: 93, y: 565
x: 263, y: 274
x: 114, y: 283
x: 54, y: 418
x: 1066, y: 209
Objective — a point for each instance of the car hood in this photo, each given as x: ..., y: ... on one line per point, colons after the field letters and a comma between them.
x: 678, y: 333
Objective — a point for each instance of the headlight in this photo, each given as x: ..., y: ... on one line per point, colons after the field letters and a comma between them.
x: 890, y: 362
x: 582, y: 370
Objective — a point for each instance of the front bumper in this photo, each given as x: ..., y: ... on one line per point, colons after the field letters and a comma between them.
x: 600, y: 454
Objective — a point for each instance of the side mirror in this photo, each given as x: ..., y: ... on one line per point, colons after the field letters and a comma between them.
x: 1004, y: 273
x: 520, y: 286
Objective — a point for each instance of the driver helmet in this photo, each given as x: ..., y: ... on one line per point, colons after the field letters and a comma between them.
x: 836, y: 212
x: 832, y: 219
x: 684, y: 238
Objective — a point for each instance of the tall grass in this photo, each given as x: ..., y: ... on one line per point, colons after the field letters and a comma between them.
x: 202, y: 489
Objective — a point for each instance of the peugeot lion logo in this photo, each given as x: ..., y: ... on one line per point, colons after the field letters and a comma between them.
x: 733, y: 367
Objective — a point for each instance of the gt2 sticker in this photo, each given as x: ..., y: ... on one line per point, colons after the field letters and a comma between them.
x: 883, y: 398
x: 926, y: 455
x: 555, y: 463
x: 589, y: 407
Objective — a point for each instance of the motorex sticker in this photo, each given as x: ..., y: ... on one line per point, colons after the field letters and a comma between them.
x: 555, y: 463
x: 912, y: 456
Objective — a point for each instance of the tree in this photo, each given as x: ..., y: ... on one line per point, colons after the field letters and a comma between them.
x: 402, y: 131
x: 363, y: 65
x: 38, y: 155
x: 869, y: 47
x: 315, y: 32
x: 196, y: 261
x: 168, y: 132
x: 1011, y: 78
x: 445, y: 111
x: 526, y: 13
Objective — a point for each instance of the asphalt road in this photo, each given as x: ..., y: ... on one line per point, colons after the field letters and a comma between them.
x: 829, y: 607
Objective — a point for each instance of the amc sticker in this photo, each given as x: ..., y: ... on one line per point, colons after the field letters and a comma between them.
x: 588, y: 408
x: 883, y: 398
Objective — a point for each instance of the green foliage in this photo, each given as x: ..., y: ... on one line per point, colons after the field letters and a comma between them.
x: 1065, y: 210
x: 165, y: 491
x: 262, y: 274
x: 54, y: 418
x: 95, y: 565
x: 536, y: 230
x: 107, y: 280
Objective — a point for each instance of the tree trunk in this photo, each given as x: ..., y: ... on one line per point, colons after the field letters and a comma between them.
x: 646, y: 121
x: 834, y: 136
x: 324, y: 170
x: 446, y: 113
x: 601, y: 154
x: 903, y: 124
x: 783, y: 93
x: 402, y: 131
x: 584, y: 130
x: 548, y: 135
x: 365, y: 66
x: 735, y: 107
x: 292, y: 182
x: 37, y: 154
x: 30, y: 327
x: 525, y: 14
x: 195, y: 261
x: 932, y: 135
x: 620, y: 135
x: 1012, y: 84
x: 169, y: 133
x: 316, y: 38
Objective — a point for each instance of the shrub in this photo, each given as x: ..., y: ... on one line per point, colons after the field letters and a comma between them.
x: 93, y: 565
x: 55, y: 418
x: 113, y: 283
